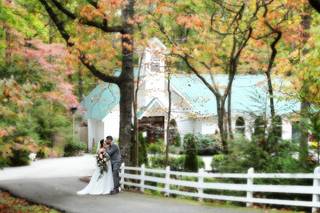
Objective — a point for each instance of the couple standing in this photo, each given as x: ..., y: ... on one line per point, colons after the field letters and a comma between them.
x: 107, y: 182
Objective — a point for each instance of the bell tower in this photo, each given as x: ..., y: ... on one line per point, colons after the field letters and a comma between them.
x: 153, y: 71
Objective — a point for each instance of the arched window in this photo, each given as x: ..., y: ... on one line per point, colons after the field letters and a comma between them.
x: 240, y: 126
x: 259, y: 127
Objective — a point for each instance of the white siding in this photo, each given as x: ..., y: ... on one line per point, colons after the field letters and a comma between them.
x: 112, y: 123
x: 95, y: 132
x: 185, y: 127
x: 90, y: 134
x: 209, y: 127
x: 197, y: 128
x: 286, y: 129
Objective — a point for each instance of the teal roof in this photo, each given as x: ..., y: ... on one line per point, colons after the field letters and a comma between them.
x: 101, y: 101
x: 248, y: 95
x: 142, y: 110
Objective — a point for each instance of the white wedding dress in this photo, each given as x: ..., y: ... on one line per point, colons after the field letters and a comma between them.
x: 101, y: 186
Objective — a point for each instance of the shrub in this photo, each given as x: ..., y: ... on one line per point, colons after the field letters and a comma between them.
x: 3, y: 162
x: 190, y: 147
x: 159, y: 161
x: 73, y: 149
x: 43, y: 153
x: 176, y: 164
x: 175, y: 150
x: 176, y: 140
x: 94, y: 148
x: 156, y: 148
x: 19, y: 157
x: 143, y: 156
x: 208, y: 145
x: 244, y: 154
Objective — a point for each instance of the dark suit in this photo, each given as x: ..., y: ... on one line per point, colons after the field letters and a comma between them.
x: 115, y: 157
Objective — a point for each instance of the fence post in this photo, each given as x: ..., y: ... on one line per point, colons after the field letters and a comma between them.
x: 142, y: 177
x: 250, y: 185
x: 316, y: 184
x: 122, y: 175
x: 200, y: 184
x: 167, y: 182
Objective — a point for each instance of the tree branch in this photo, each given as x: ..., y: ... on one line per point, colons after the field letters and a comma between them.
x: 96, y: 72
x: 315, y: 4
x: 100, y: 25
x: 93, y: 3
x: 65, y: 35
x: 214, y: 89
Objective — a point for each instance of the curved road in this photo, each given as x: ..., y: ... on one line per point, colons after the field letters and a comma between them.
x: 54, y: 182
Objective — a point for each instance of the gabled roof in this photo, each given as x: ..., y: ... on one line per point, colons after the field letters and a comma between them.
x: 144, y: 109
x: 248, y: 96
x: 101, y: 101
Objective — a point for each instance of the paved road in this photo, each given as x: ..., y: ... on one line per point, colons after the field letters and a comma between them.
x: 54, y: 182
x: 51, y: 168
x: 60, y: 193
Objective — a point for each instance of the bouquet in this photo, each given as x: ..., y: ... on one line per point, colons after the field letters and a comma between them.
x: 102, y: 159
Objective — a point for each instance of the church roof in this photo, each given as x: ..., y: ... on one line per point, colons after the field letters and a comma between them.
x: 248, y: 96
x: 100, y: 101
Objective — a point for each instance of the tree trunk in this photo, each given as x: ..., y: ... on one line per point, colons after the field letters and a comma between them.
x: 135, y: 120
x: 168, y: 120
x: 126, y: 84
x: 268, y: 75
x: 221, y: 126
x: 303, y: 151
x: 125, y: 139
x: 80, y: 83
x: 229, y: 115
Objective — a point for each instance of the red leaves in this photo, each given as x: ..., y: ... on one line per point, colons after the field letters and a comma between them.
x: 11, y: 204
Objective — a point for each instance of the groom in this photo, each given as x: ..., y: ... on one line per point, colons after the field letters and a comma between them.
x: 115, y: 157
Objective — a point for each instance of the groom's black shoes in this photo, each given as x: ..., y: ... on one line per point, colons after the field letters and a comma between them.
x: 115, y: 191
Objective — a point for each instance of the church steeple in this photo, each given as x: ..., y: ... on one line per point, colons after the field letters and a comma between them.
x: 153, y: 70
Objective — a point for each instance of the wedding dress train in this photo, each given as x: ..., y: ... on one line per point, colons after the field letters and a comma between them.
x: 99, y: 186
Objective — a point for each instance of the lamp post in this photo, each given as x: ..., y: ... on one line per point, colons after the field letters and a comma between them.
x: 73, y: 109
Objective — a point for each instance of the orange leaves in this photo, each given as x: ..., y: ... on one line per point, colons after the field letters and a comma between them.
x: 3, y: 133
x: 190, y: 21
x: 296, y: 4
x: 137, y: 19
x: 90, y: 13
x: 163, y: 8
x: 12, y: 204
x: 127, y: 46
x: 114, y: 4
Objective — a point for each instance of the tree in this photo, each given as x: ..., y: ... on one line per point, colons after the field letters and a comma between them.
x: 227, y: 26
x: 168, y: 133
x: 190, y: 146
x: 35, y: 93
x: 93, y: 16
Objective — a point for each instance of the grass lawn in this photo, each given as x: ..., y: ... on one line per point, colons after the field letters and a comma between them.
x: 10, y: 204
x: 223, y: 204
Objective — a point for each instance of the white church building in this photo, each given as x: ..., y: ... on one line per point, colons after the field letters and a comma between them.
x: 193, y: 105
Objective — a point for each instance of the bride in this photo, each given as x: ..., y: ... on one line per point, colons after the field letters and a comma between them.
x: 100, y: 183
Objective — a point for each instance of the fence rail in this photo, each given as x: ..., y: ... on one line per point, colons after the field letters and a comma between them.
x: 171, y: 182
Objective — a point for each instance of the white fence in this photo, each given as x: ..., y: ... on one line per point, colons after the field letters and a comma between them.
x: 171, y: 181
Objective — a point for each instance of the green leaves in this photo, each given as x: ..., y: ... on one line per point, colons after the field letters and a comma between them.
x: 17, y: 17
